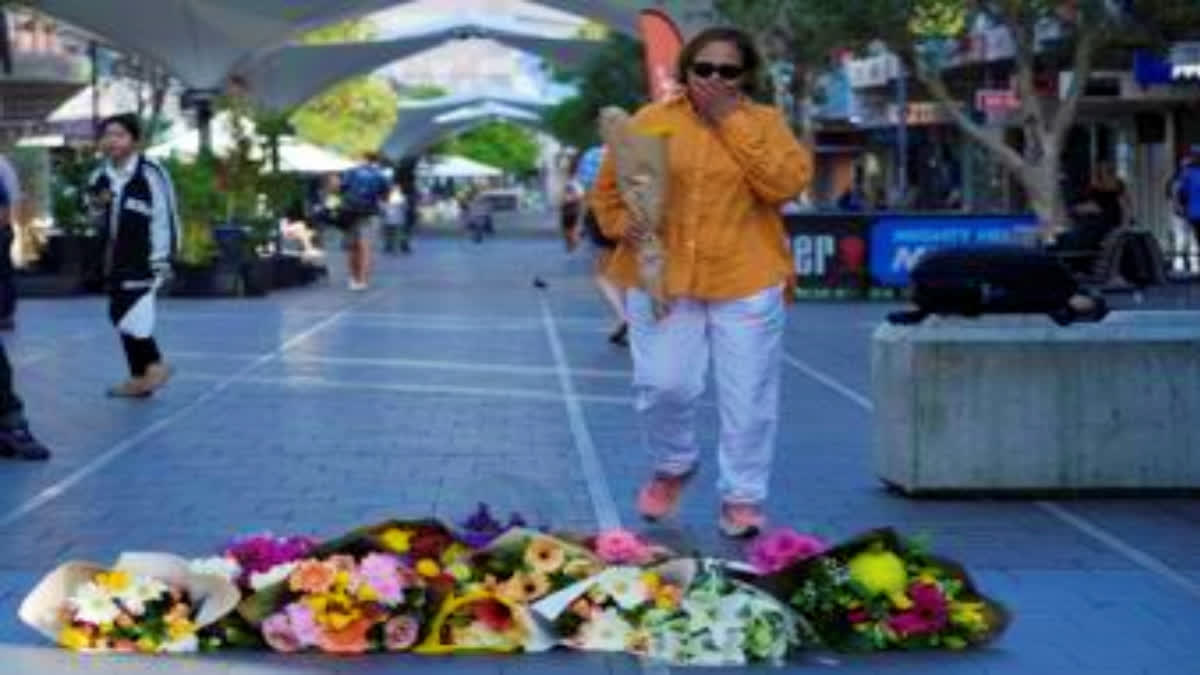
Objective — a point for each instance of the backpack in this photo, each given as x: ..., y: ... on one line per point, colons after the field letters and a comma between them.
x: 591, y: 228
x: 993, y: 280
x: 362, y: 188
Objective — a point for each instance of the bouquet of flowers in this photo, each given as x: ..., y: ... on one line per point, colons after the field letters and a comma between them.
x: 643, y: 176
x: 490, y: 609
x: 622, y: 547
x: 341, y: 604
x: 145, y: 602
x: 427, y: 547
x: 252, y: 563
x: 606, y: 612
x: 878, y: 592
x: 720, y: 621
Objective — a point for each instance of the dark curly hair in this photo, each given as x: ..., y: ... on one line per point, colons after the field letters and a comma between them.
x: 751, y: 59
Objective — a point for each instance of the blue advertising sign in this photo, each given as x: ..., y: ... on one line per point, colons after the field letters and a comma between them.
x: 898, y: 242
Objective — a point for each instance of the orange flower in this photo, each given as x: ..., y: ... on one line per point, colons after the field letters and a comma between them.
x: 312, y: 576
x: 350, y: 640
x: 525, y: 588
x: 545, y: 555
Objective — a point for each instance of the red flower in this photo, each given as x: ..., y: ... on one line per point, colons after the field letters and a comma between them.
x: 928, y: 614
x: 493, y: 614
x: 859, y: 615
x: 430, y: 543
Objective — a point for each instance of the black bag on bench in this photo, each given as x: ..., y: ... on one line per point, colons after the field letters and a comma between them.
x: 994, y: 280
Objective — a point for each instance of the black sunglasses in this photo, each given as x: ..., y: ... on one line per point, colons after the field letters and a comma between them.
x: 727, y: 71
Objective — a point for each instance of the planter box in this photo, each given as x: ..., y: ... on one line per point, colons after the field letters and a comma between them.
x: 205, y: 281
x: 41, y: 285
x: 258, y: 276
x: 1020, y: 405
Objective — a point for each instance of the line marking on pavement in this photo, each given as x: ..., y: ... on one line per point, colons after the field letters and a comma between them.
x: 829, y: 381
x: 1132, y: 553
x: 42, y: 354
x: 416, y: 364
x: 122, y: 447
x: 605, y: 507
x: 316, y: 381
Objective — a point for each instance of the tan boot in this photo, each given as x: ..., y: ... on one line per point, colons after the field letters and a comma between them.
x: 156, y: 377
x: 132, y: 388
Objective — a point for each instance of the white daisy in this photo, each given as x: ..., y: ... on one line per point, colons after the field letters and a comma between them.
x: 606, y: 632
x: 94, y: 605
x: 626, y: 587
x: 140, y: 591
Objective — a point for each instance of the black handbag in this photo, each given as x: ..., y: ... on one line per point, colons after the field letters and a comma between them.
x: 591, y: 227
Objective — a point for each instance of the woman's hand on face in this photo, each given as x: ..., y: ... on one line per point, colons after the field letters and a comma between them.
x: 715, y: 100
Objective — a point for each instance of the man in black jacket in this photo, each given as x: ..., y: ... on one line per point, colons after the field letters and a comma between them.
x: 15, y: 439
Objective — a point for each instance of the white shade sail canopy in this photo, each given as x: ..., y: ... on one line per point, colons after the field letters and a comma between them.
x: 295, y: 155
x: 205, y: 42
x: 454, y: 166
x: 421, y: 123
x: 291, y: 75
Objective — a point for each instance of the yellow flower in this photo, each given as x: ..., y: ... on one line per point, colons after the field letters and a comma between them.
x: 428, y: 568
x: 341, y: 580
x: 340, y: 620
x: 454, y: 553
x: 525, y: 588
x: 179, y: 629
x: 317, y: 603
x: 147, y: 645
x: 460, y: 571
x: 397, y: 540
x: 545, y: 555
x: 652, y: 581
x: 74, y: 638
x: 366, y: 593
x: 114, y: 582
x: 969, y: 615
x: 882, y: 573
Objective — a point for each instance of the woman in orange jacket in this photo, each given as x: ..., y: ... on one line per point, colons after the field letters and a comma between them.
x: 733, y: 164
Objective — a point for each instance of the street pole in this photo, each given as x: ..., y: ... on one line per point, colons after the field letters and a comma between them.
x: 902, y: 136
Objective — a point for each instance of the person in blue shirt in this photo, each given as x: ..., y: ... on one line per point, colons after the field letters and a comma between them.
x: 15, y: 440
x: 364, y: 191
x: 1187, y: 192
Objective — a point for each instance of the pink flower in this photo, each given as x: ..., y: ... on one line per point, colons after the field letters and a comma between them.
x: 622, y: 547
x: 381, y: 572
x: 303, y: 624
x: 779, y: 549
x: 278, y: 633
x: 401, y: 633
x: 858, y: 615
x: 928, y: 614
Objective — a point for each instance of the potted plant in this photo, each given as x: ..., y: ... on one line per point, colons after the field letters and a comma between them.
x: 199, y: 202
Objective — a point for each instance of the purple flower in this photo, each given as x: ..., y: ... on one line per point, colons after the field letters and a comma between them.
x: 381, y: 572
x: 259, y: 553
x: 303, y: 624
x: 779, y: 549
x: 481, y: 528
x: 278, y: 633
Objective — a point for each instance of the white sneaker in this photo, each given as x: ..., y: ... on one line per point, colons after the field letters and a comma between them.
x: 358, y: 286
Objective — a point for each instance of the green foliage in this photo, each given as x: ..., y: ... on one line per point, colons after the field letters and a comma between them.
x: 355, y: 116
x: 503, y: 145
x: 70, y: 176
x: 200, y: 206
x: 615, y: 75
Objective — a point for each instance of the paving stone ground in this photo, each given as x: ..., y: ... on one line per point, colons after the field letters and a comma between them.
x: 314, y: 410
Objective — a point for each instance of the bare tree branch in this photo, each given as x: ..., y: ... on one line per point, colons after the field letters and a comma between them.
x: 1085, y: 50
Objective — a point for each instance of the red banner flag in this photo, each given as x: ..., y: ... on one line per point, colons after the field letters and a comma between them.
x: 662, y: 42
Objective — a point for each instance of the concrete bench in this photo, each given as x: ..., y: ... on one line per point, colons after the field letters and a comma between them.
x: 1015, y: 404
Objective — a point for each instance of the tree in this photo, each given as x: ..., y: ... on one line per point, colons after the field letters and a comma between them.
x: 615, y: 75
x: 1047, y: 34
x: 792, y: 36
x: 503, y: 145
x: 355, y: 116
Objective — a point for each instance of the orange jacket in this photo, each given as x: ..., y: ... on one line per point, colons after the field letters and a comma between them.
x: 723, y: 232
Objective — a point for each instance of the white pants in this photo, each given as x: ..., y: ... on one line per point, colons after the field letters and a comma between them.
x: 743, y: 339
x: 1185, y: 249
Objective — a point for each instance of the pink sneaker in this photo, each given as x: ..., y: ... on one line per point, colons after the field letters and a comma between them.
x: 742, y: 520
x: 660, y: 497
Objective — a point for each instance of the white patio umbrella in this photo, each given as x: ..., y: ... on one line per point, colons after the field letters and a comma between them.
x: 455, y: 166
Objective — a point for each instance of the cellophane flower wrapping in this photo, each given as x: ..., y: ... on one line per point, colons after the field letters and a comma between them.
x: 880, y: 592
x: 144, y: 602
x: 643, y: 176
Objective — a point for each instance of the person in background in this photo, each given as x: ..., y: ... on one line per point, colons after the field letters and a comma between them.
x: 395, y: 228
x: 134, y: 200
x: 364, y: 189
x: 1187, y: 195
x: 572, y: 206
x: 1107, y: 191
x: 15, y: 440
x: 8, y: 283
x: 733, y: 164
x: 1185, y: 248
x: 585, y: 178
